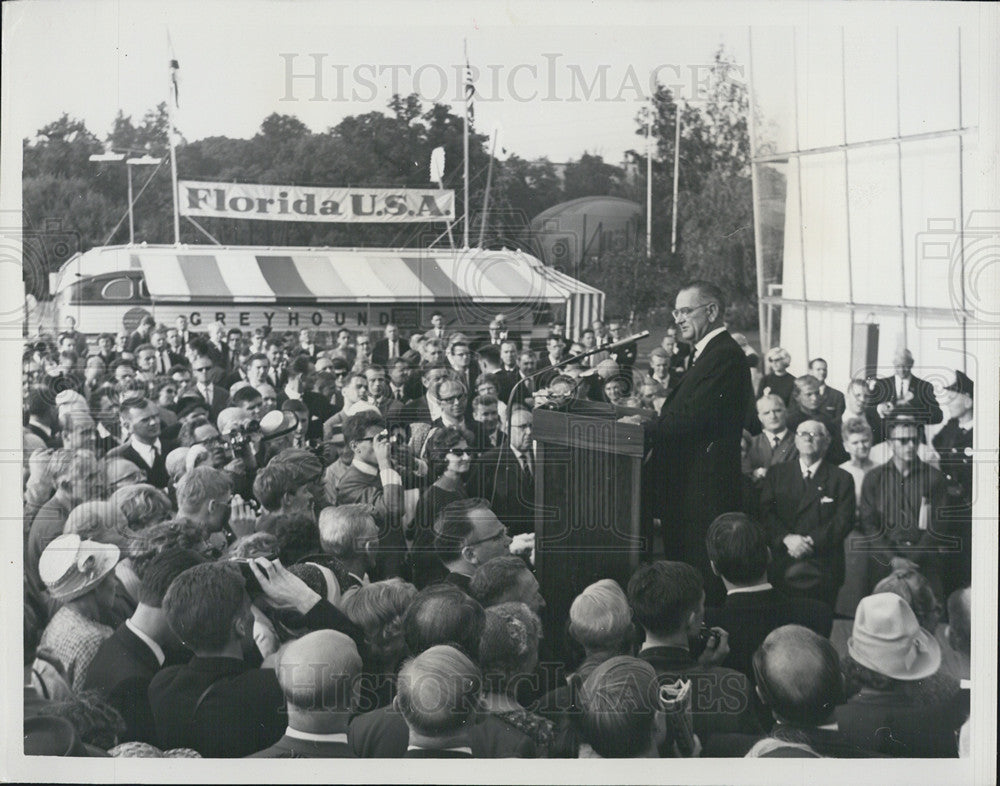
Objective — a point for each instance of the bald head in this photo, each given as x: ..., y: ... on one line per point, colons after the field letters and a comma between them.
x: 122, y: 472
x: 798, y: 675
x: 318, y: 671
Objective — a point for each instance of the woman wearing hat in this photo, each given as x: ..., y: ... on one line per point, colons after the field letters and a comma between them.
x: 78, y: 574
x: 899, y: 711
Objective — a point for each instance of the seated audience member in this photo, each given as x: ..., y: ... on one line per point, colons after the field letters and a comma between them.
x: 668, y: 600
x: 831, y: 400
x: 448, y: 455
x: 806, y: 406
x: 799, y: 680
x: 619, y: 714
x: 807, y: 508
x: 467, y: 534
x: 126, y: 661
x: 78, y: 575
x: 506, y: 579
x: 379, y: 609
x: 348, y: 537
x: 508, y: 656
x: 901, y: 505
x: 216, y: 704
x: 317, y: 675
x: 738, y: 553
x: 439, y: 614
x: 899, y: 712
x: 776, y: 442
x: 857, y: 436
x: 438, y: 696
x: 373, y: 480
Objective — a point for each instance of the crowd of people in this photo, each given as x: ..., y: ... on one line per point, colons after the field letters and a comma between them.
x: 304, y: 545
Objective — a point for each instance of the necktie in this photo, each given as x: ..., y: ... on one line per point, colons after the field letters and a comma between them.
x: 775, y: 441
x: 694, y: 357
x: 163, y: 361
x: 526, y: 465
x: 807, y: 475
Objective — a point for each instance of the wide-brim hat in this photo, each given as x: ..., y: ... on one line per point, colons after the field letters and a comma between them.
x: 278, y: 423
x: 50, y: 735
x: 71, y: 567
x: 888, y: 639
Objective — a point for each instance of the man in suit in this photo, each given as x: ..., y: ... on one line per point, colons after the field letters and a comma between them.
x: 831, y: 400
x: 437, y: 327
x: 216, y: 346
x: 775, y: 444
x: 806, y: 406
x: 307, y: 344
x: 319, y: 700
x: 499, y: 333
x: 380, y: 394
x: 141, y: 334
x: 452, y: 398
x: 738, y: 550
x: 661, y: 371
x: 679, y: 351
x: 185, y: 335
x: 217, y: 703
x: 508, y: 373
x: 459, y: 357
x: 144, y: 448
x: 438, y: 694
x: 390, y: 347
x: 505, y: 476
x: 556, y: 350
x: 43, y: 421
x: 424, y: 408
x: 625, y: 356
x: 125, y: 663
x: 205, y: 371
x: 807, y: 507
x: 901, y: 394
x: 692, y: 473
x: 165, y: 358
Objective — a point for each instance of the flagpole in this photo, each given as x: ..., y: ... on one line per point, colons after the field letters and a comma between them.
x: 486, y: 196
x: 649, y: 182
x: 173, y: 98
x: 677, y: 165
x: 465, y: 149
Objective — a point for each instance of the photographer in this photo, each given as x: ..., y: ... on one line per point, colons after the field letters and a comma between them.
x: 374, y: 480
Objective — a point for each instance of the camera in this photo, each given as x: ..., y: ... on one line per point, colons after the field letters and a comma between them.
x: 239, y: 441
x: 705, y: 638
x: 253, y: 586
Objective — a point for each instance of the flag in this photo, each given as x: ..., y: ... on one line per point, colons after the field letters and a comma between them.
x: 437, y: 166
x: 470, y: 91
x: 174, y: 68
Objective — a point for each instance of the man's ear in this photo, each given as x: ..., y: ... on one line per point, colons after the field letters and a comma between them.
x: 769, y: 557
x: 715, y: 570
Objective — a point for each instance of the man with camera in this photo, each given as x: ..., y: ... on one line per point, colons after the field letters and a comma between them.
x: 373, y: 479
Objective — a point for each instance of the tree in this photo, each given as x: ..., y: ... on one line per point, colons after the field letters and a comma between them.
x: 591, y: 176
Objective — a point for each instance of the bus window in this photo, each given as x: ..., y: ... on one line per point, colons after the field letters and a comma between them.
x: 118, y: 289
x: 143, y: 292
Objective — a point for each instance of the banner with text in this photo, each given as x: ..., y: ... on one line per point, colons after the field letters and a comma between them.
x: 303, y: 203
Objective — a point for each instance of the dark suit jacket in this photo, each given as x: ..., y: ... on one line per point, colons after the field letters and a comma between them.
x: 220, y: 400
x: 791, y: 505
x: 243, y: 711
x: 51, y: 441
x: 505, y: 383
x: 387, y: 503
x: 692, y: 472
x: 155, y: 475
x: 416, y: 410
x: 383, y: 734
x: 923, y: 406
x: 749, y: 616
x: 294, y: 748
x: 380, y: 352
x: 173, y: 359
x: 761, y: 454
x: 497, y: 476
x: 831, y: 402
x: 122, y: 670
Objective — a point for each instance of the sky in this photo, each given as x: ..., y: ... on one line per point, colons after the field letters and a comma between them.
x: 554, y: 85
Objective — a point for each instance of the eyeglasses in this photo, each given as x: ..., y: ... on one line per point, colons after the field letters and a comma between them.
x: 686, y: 312
x: 453, y: 399
x: 906, y: 440
x: 458, y: 453
x: 495, y: 536
x: 202, y: 370
x: 810, y: 434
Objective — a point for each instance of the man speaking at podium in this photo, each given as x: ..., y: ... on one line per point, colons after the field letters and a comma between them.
x: 692, y: 470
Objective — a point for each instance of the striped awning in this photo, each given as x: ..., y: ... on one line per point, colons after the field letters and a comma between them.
x: 248, y: 275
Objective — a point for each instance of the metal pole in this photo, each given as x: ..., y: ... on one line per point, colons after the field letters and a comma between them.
x: 131, y: 224
x: 649, y: 181
x: 486, y: 197
x: 677, y: 169
x: 755, y: 187
x: 465, y: 150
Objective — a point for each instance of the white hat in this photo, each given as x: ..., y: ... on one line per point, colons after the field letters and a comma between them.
x: 71, y: 567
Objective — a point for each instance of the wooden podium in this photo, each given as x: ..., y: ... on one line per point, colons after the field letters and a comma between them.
x: 587, y: 494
